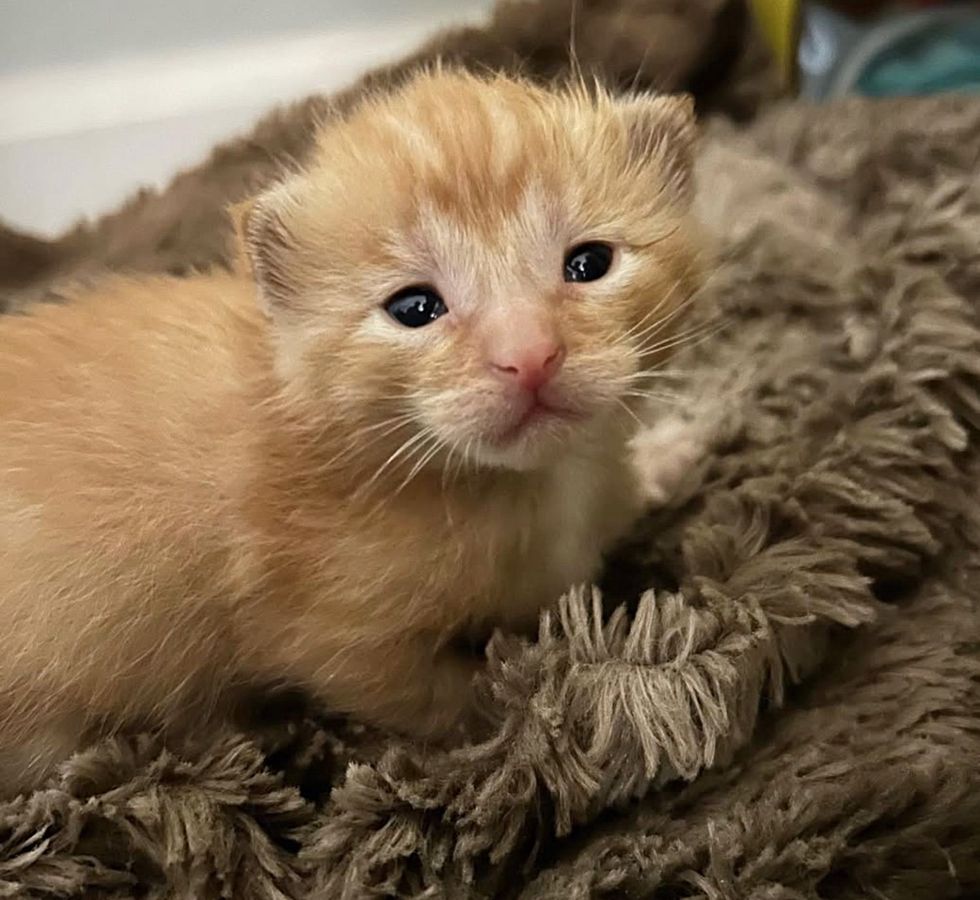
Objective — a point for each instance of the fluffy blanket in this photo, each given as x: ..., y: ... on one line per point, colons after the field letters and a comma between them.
x: 775, y: 692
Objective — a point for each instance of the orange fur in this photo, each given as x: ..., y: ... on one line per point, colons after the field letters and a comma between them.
x: 195, y: 495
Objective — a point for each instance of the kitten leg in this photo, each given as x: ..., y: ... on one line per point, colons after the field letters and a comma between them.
x: 406, y: 685
x: 665, y: 455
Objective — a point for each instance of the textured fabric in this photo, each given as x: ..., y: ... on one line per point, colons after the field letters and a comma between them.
x: 776, y: 693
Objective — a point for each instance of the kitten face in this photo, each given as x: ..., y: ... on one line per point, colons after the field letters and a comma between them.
x: 480, y: 267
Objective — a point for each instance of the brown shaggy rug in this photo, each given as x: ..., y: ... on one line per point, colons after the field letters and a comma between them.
x: 776, y: 693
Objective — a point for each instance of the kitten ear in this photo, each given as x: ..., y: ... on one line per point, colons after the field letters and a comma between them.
x: 663, y: 128
x: 265, y: 244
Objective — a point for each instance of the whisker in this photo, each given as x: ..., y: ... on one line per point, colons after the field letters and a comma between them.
x: 632, y: 414
x: 402, y: 449
x: 639, y: 391
x: 404, y: 417
x: 652, y: 311
x: 447, y: 477
x: 355, y: 442
x: 465, y: 461
x: 688, y: 338
x: 425, y: 457
x: 669, y: 400
x: 661, y: 323
x: 639, y: 378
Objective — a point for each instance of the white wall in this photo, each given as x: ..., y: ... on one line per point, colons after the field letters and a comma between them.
x: 99, y: 97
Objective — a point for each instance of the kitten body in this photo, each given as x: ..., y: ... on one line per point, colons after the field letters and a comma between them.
x: 261, y: 476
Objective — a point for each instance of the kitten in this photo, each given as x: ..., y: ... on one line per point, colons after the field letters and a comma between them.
x: 407, y: 416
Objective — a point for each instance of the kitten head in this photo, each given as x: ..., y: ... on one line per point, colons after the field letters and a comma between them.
x: 479, y: 267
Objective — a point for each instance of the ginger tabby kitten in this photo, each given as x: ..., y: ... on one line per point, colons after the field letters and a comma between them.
x: 408, y: 415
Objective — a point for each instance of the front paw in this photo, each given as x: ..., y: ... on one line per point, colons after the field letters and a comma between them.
x: 666, y: 457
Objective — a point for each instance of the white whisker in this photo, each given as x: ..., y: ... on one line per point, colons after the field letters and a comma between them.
x: 402, y: 449
x: 425, y: 457
x: 652, y: 311
x: 656, y: 327
x: 355, y: 442
x: 630, y: 412
x: 447, y: 474
x: 689, y: 337
x: 668, y: 399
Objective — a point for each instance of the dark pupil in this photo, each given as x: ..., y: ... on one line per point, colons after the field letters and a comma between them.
x: 587, y: 262
x: 415, y: 307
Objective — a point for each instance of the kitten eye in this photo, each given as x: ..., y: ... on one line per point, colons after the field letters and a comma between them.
x: 416, y: 306
x: 588, y: 262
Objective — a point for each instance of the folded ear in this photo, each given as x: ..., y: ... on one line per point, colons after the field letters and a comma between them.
x: 265, y: 245
x: 662, y: 128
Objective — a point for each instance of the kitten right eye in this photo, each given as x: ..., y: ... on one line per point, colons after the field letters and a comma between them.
x: 416, y: 306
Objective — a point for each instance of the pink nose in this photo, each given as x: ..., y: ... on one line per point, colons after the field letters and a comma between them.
x: 530, y: 367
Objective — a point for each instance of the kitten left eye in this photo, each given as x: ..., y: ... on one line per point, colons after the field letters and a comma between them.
x: 588, y: 262
x: 416, y: 306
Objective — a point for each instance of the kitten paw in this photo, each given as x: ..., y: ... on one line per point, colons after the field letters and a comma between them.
x: 664, y: 455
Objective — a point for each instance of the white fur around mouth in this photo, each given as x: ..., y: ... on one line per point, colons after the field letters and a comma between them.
x: 538, y: 411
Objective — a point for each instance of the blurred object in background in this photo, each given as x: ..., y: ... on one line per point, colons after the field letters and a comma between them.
x: 102, y: 97
x: 878, y: 49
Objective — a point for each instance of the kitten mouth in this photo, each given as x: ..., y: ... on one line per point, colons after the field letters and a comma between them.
x: 537, y: 411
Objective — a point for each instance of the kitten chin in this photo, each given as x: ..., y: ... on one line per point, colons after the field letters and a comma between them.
x: 406, y: 412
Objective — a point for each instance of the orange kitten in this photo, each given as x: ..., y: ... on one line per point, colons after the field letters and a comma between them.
x: 420, y: 427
